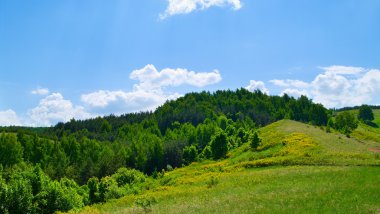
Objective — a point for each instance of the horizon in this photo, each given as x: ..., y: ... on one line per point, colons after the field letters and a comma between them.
x: 63, y: 60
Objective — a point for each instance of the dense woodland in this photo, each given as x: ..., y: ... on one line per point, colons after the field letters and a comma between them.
x: 90, y: 161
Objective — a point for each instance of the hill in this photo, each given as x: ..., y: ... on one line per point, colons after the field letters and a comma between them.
x: 204, y: 137
x: 307, y: 171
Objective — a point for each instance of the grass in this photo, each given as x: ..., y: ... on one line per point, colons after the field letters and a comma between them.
x: 288, y: 142
x: 293, y: 189
x: 307, y: 170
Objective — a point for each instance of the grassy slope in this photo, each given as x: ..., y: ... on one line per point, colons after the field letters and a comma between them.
x: 323, y: 172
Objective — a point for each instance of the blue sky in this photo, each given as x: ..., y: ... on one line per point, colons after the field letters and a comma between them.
x: 78, y: 59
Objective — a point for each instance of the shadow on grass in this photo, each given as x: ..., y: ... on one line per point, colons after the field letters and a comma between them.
x: 372, y: 124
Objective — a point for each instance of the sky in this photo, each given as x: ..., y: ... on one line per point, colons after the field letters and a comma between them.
x: 68, y: 59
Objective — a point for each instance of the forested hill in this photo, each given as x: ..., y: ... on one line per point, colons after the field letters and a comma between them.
x: 36, y: 164
x: 194, y: 108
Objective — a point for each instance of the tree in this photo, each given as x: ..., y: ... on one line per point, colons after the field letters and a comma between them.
x: 93, y: 193
x: 345, y: 122
x: 11, y: 151
x: 219, y: 145
x: 330, y: 124
x: 318, y: 115
x: 365, y: 113
x: 189, y: 154
x: 105, y: 127
x: 255, y: 141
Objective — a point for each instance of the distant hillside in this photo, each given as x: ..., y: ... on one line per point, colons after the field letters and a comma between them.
x: 194, y: 108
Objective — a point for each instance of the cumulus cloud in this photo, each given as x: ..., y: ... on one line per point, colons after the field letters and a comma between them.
x: 54, y: 108
x: 151, y: 79
x: 176, y: 7
x: 337, y: 86
x: 294, y: 92
x: 9, y: 118
x: 40, y: 91
x: 121, y: 101
x: 150, y: 92
x: 257, y: 85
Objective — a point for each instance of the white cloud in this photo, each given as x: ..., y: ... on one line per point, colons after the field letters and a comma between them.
x: 152, y: 80
x: 54, y: 108
x: 121, y: 102
x: 344, y: 70
x: 9, y: 118
x: 150, y: 92
x: 294, y: 92
x: 176, y: 7
x: 40, y: 91
x: 338, y: 86
x: 290, y: 83
x: 257, y: 85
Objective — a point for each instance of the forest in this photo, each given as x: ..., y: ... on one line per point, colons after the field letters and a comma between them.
x: 82, y: 162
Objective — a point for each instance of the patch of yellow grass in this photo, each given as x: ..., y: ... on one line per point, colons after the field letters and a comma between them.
x: 297, y: 144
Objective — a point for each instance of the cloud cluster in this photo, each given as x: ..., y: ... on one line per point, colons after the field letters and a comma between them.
x: 150, y: 91
x: 176, y: 7
x: 147, y: 94
x: 337, y: 86
x: 257, y: 85
x: 54, y: 108
x: 152, y: 80
x: 340, y: 88
x: 9, y: 118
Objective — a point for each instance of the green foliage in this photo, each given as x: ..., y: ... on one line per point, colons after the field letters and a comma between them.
x: 219, y: 145
x: 105, y: 127
x: 345, y: 122
x: 125, y: 176
x: 17, y: 197
x: 93, y: 185
x: 190, y: 154
x: 223, y: 122
x: 84, y: 151
x: 58, y: 197
x: 255, y: 141
x: 207, y: 152
x: 11, y: 151
x: 365, y: 113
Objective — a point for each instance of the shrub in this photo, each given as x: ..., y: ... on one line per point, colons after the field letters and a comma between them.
x: 219, y: 145
x: 255, y: 141
x: 125, y: 176
x: 189, y: 154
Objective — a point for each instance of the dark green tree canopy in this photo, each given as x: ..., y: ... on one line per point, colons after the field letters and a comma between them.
x: 219, y: 145
x: 365, y: 113
x: 255, y: 141
x: 346, y: 122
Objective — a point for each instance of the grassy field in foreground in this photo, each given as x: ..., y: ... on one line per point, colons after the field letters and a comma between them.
x: 294, y: 189
x: 307, y: 170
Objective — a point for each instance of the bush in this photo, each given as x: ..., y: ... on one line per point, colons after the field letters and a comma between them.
x: 345, y: 122
x: 255, y: 141
x: 189, y: 154
x: 125, y: 176
x: 219, y: 145
x: 365, y: 113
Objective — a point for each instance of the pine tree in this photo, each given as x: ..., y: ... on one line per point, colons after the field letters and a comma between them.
x: 255, y: 142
